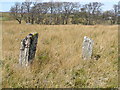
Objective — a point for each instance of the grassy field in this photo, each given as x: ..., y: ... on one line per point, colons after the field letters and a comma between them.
x: 58, y: 62
x: 5, y: 16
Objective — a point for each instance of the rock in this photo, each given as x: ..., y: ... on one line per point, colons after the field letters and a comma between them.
x: 28, y: 23
x: 87, y: 48
x: 28, y: 49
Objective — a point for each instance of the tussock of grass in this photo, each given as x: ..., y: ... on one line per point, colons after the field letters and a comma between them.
x: 58, y: 61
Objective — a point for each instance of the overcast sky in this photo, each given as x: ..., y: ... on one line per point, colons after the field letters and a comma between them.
x: 108, y: 5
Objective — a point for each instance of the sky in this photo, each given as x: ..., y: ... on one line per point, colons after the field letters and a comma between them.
x: 108, y: 5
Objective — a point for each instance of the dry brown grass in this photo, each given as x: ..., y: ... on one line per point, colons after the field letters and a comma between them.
x: 58, y: 61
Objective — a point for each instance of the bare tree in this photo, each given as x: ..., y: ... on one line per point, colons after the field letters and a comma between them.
x: 32, y: 15
x: 108, y: 16
x: 17, y: 12
x: 63, y: 13
x: 57, y: 12
x: 115, y: 10
x: 27, y: 7
x: 41, y: 10
x: 68, y: 9
x: 51, y: 8
x: 92, y: 9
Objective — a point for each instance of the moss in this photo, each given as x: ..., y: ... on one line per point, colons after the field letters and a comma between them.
x: 34, y: 33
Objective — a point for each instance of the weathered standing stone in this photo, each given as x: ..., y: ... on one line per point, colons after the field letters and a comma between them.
x: 28, y: 49
x: 87, y: 48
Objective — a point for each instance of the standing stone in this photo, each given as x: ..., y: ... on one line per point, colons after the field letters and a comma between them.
x: 87, y: 48
x: 28, y: 49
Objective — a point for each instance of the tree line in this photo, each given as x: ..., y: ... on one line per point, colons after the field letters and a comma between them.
x: 57, y: 13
